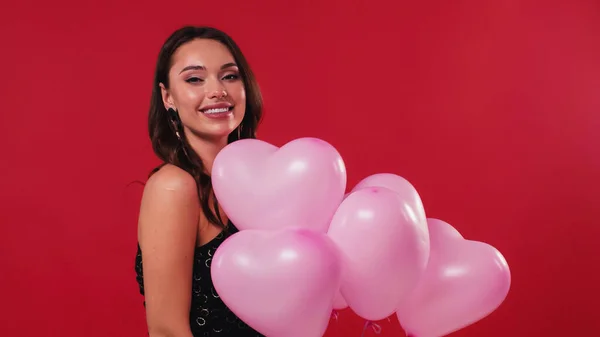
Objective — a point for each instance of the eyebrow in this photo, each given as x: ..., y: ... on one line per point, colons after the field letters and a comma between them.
x: 198, y: 67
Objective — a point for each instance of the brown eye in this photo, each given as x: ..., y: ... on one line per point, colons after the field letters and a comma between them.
x: 194, y: 80
x: 231, y: 77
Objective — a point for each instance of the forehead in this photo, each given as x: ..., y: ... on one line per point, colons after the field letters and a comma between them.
x: 203, y: 52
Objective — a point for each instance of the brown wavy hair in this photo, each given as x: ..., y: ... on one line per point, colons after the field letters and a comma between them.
x: 162, y: 125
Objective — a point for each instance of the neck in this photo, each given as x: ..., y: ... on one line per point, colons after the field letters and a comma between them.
x: 207, y: 149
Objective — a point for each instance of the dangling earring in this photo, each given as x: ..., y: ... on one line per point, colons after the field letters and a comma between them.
x: 175, y: 121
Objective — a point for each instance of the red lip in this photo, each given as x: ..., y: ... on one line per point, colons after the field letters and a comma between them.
x: 217, y: 106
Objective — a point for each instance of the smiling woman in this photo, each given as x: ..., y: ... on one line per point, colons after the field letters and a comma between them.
x: 204, y: 97
x: 221, y: 88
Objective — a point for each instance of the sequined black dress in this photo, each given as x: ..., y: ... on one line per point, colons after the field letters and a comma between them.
x: 209, y: 316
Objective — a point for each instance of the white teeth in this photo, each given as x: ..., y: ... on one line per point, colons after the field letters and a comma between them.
x: 216, y: 111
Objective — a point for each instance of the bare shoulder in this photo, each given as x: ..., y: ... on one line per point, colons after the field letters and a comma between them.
x: 170, y: 199
x: 171, y: 178
x: 167, y: 232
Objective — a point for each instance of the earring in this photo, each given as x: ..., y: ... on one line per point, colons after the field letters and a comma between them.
x: 175, y: 121
x: 172, y: 112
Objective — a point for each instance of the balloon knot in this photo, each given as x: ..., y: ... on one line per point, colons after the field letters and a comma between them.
x: 335, y: 315
x: 374, y: 326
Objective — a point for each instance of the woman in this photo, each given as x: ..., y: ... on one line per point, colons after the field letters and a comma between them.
x: 204, y: 97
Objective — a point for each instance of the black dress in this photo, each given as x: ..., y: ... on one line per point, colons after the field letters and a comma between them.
x: 209, y: 316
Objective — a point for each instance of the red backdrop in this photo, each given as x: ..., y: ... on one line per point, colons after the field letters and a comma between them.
x: 490, y: 108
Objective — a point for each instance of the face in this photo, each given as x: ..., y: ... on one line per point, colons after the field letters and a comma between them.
x: 206, y: 89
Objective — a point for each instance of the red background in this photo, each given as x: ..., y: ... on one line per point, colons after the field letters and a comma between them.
x: 490, y: 108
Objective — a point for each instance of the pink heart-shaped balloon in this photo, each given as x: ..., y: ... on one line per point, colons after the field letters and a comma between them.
x: 384, y: 250
x: 281, y: 282
x: 408, y: 194
x: 261, y: 186
x: 339, y: 303
x: 464, y: 282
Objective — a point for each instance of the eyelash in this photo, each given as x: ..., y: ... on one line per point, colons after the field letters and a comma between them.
x: 230, y: 77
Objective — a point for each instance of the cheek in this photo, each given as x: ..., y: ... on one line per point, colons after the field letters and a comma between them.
x: 237, y: 92
x: 193, y: 97
x: 188, y: 97
x: 242, y: 99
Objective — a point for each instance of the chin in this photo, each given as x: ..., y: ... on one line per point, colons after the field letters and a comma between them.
x: 216, y: 130
x: 218, y: 135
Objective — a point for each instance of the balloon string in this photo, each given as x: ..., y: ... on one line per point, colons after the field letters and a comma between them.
x: 368, y: 324
x: 335, y: 315
x: 365, y: 329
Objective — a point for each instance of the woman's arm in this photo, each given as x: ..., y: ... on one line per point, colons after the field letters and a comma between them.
x: 167, y: 229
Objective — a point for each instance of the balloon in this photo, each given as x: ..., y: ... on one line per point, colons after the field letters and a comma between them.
x: 384, y: 251
x: 261, y: 186
x: 411, y: 199
x: 280, y: 282
x: 464, y: 282
x: 339, y: 303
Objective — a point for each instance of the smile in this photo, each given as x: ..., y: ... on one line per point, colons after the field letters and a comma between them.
x: 217, y: 110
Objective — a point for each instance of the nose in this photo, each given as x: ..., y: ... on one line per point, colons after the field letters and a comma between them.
x: 216, y: 90
x: 218, y: 94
